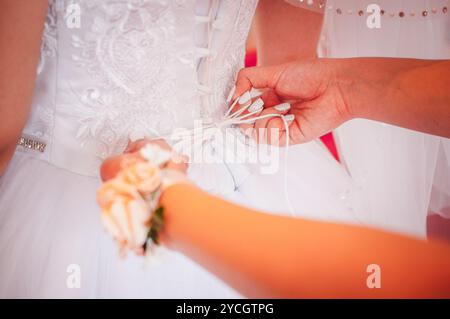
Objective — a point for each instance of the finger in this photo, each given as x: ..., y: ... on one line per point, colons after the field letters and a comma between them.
x: 129, y: 146
x: 134, y: 146
x: 270, y: 98
x: 258, y: 77
x: 261, y: 126
x: 296, y: 124
x: 253, y: 92
x: 181, y: 167
x: 296, y: 135
x: 283, y: 130
x: 179, y: 163
x: 241, y: 103
x: 276, y: 129
x: 110, y: 167
x: 161, y: 143
x: 253, y: 110
x: 237, y: 107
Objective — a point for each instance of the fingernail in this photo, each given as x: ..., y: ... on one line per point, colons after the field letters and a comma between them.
x: 289, y: 117
x: 127, y: 148
x: 255, y: 93
x: 230, y: 95
x: 245, y: 97
x: 282, y: 107
x: 256, y: 106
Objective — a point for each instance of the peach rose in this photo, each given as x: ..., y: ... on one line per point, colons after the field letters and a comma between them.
x: 125, y: 212
x: 142, y: 175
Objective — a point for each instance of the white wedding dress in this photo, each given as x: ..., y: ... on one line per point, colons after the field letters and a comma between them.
x: 135, y: 68
x: 114, y: 70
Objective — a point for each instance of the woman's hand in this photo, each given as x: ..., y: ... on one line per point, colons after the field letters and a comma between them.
x: 113, y: 165
x: 312, y: 88
x: 324, y: 93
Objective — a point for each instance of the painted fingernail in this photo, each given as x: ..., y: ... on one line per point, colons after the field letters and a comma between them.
x: 245, y: 97
x: 282, y: 107
x: 230, y: 95
x: 255, y: 93
x: 128, y: 147
x: 256, y: 106
x: 289, y: 117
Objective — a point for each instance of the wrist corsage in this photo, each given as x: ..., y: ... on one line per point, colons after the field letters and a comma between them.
x: 129, y: 202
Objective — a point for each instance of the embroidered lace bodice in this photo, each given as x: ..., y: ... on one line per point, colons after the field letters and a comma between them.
x: 114, y: 70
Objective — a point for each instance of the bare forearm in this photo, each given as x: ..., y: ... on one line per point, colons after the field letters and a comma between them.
x: 410, y: 93
x: 272, y: 28
x: 264, y: 255
x: 21, y: 24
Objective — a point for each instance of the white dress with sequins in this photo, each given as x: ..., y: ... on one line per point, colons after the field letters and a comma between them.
x: 400, y: 175
x: 113, y: 70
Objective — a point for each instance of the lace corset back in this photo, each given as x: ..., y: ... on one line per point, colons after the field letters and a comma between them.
x: 116, y: 70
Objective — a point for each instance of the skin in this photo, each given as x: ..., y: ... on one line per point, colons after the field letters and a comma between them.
x: 325, y: 93
x: 21, y: 26
x: 263, y: 255
x: 271, y: 28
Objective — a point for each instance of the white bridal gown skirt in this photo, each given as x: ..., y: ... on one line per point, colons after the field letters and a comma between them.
x: 51, y: 238
x: 50, y: 232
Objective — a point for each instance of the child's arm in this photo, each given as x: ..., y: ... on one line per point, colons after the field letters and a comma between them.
x: 265, y: 255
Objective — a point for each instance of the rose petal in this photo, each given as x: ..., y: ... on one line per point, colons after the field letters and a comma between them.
x: 109, y: 225
x: 119, y: 213
x: 140, y: 212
